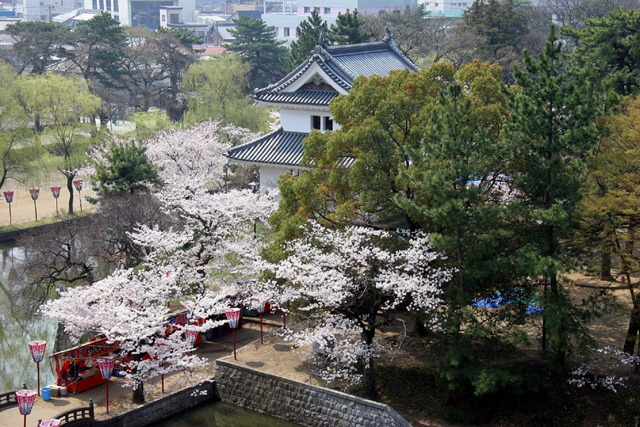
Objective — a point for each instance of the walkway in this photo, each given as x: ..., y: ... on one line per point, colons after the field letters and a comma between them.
x: 120, y: 396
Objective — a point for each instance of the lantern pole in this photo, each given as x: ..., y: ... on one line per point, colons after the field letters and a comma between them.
x: 8, y: 195
x: 233, y: 316
x: 105, y: 364
x: 260, y: 308
x: 55, y: 190
x: 37, y: 352
x: 25, y: 399
x: 78, y: 184
x: 34, y: 195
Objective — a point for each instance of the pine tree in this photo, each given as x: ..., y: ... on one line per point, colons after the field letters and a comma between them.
x: 549, y: 131
x: 308, y: 33
x: 127, y: 169
x: 611, y: 45
x: 349, y: 29
x: 255, y: 41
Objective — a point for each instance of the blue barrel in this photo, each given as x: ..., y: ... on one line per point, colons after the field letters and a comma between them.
x: 46, y: 393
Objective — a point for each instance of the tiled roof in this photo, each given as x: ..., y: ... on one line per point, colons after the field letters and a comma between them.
x: 277, y: 148
x: 343, y: 64
x: 306, y: 97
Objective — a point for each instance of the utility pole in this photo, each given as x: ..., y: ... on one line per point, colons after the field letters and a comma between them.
x: 50, y: 7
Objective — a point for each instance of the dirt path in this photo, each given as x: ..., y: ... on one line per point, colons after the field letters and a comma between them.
x: 22, y: 206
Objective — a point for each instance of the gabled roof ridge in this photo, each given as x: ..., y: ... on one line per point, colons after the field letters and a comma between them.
x: 394, y: 47
x: 340, y: 66
x: 357, y: 47
x: 270, y: 134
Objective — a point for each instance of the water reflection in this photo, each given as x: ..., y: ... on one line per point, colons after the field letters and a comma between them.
x: 222, y: 414
x: 17, y: 328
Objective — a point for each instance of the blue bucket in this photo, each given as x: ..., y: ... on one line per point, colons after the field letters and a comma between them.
x: 46, y: 393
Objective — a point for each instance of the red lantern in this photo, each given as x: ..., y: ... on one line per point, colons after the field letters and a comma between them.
x: 78, y: 184
x: 8, y: 196
x: 191, y: 336
x: 50, y: 423
x: 105, y: 365
x: 25, y: 399
x: 233, y: 316
x: 34, y: 195
x: 260, y: 305
x: 37, y: 352
x: 55, y: 190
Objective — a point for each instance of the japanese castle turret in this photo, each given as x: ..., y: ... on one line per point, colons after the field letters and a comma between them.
x: 303, y: 97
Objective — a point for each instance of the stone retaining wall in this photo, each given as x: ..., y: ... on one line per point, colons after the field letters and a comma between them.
x: 298, y: 402
x: 164, y: 407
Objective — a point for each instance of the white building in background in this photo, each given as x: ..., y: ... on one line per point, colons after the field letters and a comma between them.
x: 45, y: 10
x: 446, y: 8
x: 293, y: 12
x: 141, y: 13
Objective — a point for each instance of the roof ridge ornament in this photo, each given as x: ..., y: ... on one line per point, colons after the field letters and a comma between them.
x: 321, y: 39
x: 388, y: 35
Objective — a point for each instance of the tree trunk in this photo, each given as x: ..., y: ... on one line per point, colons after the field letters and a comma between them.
x: 605, y: 262
x: 368, y: 378
x: 633, y: 329
x: 138, y: 394
x: 70, y: 188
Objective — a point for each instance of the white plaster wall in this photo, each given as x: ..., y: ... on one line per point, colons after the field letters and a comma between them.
x: 297, y: 120
x: 300, y: 120
x: 269, y: 176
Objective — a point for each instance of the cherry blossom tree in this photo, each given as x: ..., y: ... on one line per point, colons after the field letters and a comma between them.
x: 340, y: 280
x: 197, y: 259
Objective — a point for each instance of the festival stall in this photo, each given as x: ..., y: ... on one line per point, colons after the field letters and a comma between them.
x: 76, y: 367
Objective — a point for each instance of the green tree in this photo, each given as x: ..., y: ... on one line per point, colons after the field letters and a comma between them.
x: 150, y: 122
x: 455, y: 175
x: 152, y: 57
x: 256, y: 42
x: 365, y: 192
x: 97, y: 55
x: 218, y: 90
x: 36, y: 43
x: 609, y: 212
x: 411, y: 30
x: 125, y: 169
x: 499, y: 22
x: 549, y: 130
x: 16, y: 151
x: 187, y: 38
x: 349, y: 29
x: 611, y: 45
x: 308, y: 34
x: 61, y: 103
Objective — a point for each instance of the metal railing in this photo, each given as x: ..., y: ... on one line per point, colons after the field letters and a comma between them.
x: 77, y: 417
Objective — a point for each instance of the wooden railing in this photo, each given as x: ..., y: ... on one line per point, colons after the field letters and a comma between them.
x: 8, y: 398
x: 77, y: 417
